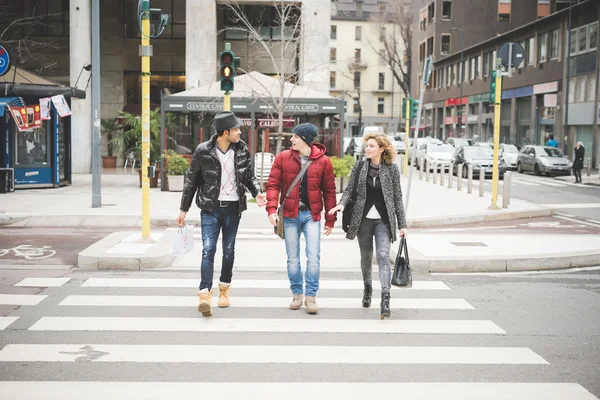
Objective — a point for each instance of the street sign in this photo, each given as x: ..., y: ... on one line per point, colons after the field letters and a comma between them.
x: 511, y: 54
x: 4, y: 61
x: 427, y: 69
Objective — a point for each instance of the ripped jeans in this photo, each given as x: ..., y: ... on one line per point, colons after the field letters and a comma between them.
x: 228, y: 220
x: 368, y: 229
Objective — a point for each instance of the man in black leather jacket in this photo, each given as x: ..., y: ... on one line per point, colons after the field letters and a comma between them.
x: 221, y: 171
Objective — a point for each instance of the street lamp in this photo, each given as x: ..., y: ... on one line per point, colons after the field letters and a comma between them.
x: 462, y: 73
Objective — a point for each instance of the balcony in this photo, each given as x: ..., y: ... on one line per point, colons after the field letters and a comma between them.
x: 357, y: 65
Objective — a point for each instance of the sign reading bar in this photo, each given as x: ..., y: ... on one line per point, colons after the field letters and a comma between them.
x: 204, y: 106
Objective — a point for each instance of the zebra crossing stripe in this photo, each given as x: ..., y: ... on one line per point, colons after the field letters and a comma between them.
x: 42, y: 282
x: 97, y: 390
x: 143, y: 324
x: 6, y: 321
x: 21, y: 299
x: 247, y: 284
x: 269, y: 354
x: 256, y: 302
x: 526, y: 183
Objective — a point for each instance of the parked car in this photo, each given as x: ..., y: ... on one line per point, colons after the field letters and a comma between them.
x: 437, y: 152
x: 398, y: 144
x: 543, y: 160
x: 509, y: 153
x: 458, y: 142
x: 420, y: 143
x: 485, y: 144
x: 480, y: 158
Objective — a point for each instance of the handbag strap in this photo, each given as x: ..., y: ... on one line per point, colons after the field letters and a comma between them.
x: 358, y: 169
x: 296, y: 179
x: 404, y: 249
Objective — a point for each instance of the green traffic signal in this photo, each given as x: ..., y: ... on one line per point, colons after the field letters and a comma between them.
x: 227, y: 58
x: 493, y: 87
x: 404, y: 113
x: 414, y: 108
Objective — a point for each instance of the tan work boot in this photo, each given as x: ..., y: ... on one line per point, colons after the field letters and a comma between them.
x: 205, y: 303
x: 296, y: 302
x: 311, y: 305
x: 224, y: 295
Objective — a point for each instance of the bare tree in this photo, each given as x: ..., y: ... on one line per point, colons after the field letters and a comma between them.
x: 20, y: 35
x: 287, y: 24
x: 394, y: 18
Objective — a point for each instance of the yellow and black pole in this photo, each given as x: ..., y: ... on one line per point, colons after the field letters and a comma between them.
x: 495, y: 99
x: 227, y: 74
x: 407, y: 134
x: 145, y: 53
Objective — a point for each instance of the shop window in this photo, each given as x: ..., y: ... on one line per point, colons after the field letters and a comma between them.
x: 554, y: 44
x: 447, y: 10
x: 381, y: 81
x: 357, y: 80
x: 380, y: 105
x: 32, y: 147
x: 333, y: 32
x: 504, y: 10
x: 332, y: 76
x: 358, y: 33
x: 446, y: 44
x: 332, y: 54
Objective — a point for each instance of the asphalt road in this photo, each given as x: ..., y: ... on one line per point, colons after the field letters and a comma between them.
x: 549, y: 333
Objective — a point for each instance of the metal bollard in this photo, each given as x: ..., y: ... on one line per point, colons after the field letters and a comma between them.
x: 470, y: 179
x: 481, y: 182
x: 427, y: 167
x: 434, y: 173
x: 459, y: 179
x: 589, y: 166
x: 442, y: 175
x: 421, y: 168
x: 506, y: 190
x: 450, y: 176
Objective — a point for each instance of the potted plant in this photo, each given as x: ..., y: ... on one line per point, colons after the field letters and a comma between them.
x: 175, y: 167
x: 109, y: 127
x: 341, y: 169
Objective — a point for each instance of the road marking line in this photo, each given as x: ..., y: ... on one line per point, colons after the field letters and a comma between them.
x: 587, y: 222
x: 21, y: 299
x: 43, y: 282
x: 471, y: 229
x: 6, y: 321
x: 553, y: 184
x: 256, y: 302
x: 572, y: 205
x: 141, y: 324
x: 247, y: 284
x: 526, y: 183
x: 501, y: 274
x: 269, y: 354
x: 98, y: 390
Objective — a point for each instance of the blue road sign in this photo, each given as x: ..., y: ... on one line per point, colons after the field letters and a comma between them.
x: 4, y: 61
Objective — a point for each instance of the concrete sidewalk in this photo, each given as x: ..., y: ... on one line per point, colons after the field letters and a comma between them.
x: 592, y: 180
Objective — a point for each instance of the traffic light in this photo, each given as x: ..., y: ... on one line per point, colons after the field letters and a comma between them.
x: 414, y: 108
x: 227, y: 70
x: 404, y: 108
x: 493, y: 87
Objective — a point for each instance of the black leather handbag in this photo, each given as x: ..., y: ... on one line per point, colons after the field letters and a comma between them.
x: 347, y: 214
x: 402, y: 276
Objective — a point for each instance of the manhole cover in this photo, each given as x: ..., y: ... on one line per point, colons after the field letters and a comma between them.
x: 469, y: 244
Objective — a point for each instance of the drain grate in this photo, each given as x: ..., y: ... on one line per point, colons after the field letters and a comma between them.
x: 469, y: 244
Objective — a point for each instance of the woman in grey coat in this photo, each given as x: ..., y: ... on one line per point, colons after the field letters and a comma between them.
x: 378, y: 211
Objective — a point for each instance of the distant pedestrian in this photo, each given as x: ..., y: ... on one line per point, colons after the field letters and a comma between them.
x: 302, y: 209
x: 378, y: 211
x: 578, y: 162
x: 551, y: 142
x: 221, y: 171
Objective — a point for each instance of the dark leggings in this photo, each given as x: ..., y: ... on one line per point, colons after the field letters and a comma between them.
x: 370, y: 228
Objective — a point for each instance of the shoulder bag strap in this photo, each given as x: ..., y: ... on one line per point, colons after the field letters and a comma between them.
x: 296, y: 179
x: 404, y: 249
x: 358, y: 169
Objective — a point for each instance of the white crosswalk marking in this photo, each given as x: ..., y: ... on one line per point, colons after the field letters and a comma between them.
x: 138, y: 328
x: 255, y: 302
x: 43, y: 282
x: 526, y: 183
x: 277, y: 391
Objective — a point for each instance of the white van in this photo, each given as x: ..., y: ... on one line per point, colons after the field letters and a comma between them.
x: 373, y: 129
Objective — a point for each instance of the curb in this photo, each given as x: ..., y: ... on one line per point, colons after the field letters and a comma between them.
x: 594, y: 182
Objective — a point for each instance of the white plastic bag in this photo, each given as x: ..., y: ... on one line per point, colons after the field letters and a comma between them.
x: 183, y: 241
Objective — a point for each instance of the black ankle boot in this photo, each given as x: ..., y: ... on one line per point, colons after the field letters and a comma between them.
x: 367, y: 292
x: 385, y: 305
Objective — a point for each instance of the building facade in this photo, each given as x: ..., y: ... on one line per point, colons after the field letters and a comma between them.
x: 185, y: 56
x: 534, y: 99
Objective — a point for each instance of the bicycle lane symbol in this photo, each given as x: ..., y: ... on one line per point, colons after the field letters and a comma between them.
x: 29, y: 252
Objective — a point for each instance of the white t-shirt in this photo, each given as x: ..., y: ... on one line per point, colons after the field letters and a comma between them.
x: 228, y: 190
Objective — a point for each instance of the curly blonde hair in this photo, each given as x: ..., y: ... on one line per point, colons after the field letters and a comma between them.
x: 389, y: 152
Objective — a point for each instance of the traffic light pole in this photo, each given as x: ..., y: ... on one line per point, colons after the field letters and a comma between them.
x: 495, y: 172
x: 145, y: 52
x: 407, y: 135
x: 226, y: 102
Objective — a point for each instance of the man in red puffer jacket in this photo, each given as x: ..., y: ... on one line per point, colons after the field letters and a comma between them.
x: 302, y: 209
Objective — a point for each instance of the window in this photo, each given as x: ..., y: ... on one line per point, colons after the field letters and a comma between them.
x: 356, y: 108
x: 357, y: 80
x: 531, y: 51
x: 381, y: 58
x: 446, y: 44
x: 543, y: 8
x: 472, y: 68
x: 594, y: 36
x: 381, y: 81
x: 358, y: 8
x: 486, y: 64
x: 332, y: 55
x: 441, y: 78
x: 523, y: 44
x: 333, y: 32
x: 554, y: 44
x: 357, y: 56
x: 582, y: 38
x: 382, y: 34
x: 447, y: 10
x: 332, y: 79
x: 422, y: 51
x: 573, y: 42
x: 431, y: 12
x: 454, y: 67
x: 504, y: 10
x: 543, y: 47
x: 380, y: 105
x: 430, y: 46
x: 448, y: 77
x: 32, y: 146
x: 478, y: 67
x: 358, y: 33
x: 175, y: 29
x: 465, y: 71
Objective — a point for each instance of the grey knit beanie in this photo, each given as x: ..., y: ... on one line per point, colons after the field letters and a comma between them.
x: 306, y: 131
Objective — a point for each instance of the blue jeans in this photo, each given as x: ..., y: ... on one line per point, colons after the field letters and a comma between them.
x: 312, y: 234
x: 228, y: 220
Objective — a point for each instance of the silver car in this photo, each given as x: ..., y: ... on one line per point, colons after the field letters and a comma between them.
x: 543, y: 160
x: 510, y: 154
